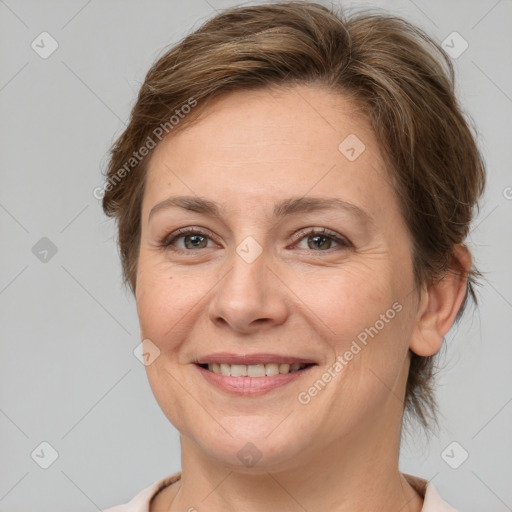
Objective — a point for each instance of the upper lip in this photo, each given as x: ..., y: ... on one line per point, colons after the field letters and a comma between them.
x: 230, y: 358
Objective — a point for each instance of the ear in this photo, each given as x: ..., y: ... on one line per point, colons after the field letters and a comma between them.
x: 439, y: 305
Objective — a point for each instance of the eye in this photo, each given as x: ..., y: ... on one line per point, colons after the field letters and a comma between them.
x: 322, y: 238
x: 193, y: 238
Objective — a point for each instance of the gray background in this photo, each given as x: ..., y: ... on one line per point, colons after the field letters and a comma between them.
x: 68, y: 329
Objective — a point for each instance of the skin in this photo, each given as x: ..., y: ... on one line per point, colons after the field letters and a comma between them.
x: 339, y: 452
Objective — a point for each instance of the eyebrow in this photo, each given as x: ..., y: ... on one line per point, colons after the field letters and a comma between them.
x: 282, y: 209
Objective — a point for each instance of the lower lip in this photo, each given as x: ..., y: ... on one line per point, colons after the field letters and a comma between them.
x: 251, y: 386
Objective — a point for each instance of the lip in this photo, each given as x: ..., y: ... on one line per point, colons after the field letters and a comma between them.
x: 259, y: 358
x: 250, y: 386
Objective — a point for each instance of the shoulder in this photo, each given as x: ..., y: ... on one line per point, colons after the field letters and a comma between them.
x: 140, y: 502
x: 432, y: 502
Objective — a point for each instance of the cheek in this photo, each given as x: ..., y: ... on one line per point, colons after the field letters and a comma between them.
x: 350, y: 298
x: 163, y: 301
x: 365, y: 316
x: 164, y: 298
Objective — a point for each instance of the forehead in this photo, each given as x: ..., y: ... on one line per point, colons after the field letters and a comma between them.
x: 271, y: 144
x: 301, y: 116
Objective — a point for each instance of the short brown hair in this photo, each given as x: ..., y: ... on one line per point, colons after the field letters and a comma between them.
x: 401, y: 78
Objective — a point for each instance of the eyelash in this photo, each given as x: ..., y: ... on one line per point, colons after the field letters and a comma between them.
x: 327, y: 233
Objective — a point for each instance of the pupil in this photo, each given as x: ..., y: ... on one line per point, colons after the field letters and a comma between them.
x: 316, y: 238
x: 195, y: 239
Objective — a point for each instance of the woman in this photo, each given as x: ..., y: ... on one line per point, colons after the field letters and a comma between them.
x: 292, y: 195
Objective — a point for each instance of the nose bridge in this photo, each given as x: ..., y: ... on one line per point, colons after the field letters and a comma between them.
x: 250, y: 263
x: 247, y: 293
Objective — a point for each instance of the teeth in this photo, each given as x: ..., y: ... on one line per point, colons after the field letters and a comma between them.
x: 271, y: 369
x: 239, y: 370
x: 254, y: 370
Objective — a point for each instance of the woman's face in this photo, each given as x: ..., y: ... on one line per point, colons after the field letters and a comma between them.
x: 264, y: 172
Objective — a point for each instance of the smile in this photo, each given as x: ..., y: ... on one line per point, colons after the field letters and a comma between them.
x: 252, y: 379
x: 254, y: 370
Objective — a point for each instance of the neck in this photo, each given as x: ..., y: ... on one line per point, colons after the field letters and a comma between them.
x: 360, y: 472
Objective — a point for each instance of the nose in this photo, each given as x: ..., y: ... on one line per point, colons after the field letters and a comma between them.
x: 249, y: 297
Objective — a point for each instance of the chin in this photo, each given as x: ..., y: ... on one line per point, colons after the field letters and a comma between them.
x: 255, y: 458
x: 251, y: 448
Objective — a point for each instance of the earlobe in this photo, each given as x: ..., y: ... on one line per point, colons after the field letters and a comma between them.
x: 439, y: 305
